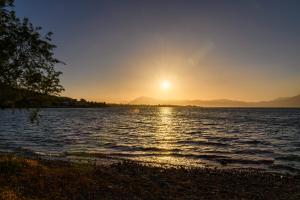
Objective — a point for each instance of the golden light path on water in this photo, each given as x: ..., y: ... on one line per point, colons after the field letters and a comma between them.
x: 166, y: 136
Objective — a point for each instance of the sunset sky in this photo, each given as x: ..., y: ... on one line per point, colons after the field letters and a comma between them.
x: 119, y: 50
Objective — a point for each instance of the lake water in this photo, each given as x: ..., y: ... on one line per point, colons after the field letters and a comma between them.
x: 258, y: 138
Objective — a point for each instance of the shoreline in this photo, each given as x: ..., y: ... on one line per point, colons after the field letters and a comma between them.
x: 28, y: 178
x: 100, y: 159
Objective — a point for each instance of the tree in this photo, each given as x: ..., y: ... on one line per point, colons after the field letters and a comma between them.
x: 26, y: 56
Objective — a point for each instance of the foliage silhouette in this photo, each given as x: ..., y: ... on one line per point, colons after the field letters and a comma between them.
x: 26, y: 58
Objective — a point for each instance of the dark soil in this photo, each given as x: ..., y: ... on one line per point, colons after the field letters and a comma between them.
x: 22, y: 178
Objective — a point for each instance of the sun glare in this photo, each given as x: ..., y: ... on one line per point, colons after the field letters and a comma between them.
x: 165, y: 85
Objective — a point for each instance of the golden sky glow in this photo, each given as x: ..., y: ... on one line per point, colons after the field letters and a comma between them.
x: 172, y: 73
x: 117, y: 51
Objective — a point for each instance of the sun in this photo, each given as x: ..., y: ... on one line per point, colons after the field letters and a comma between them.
x: 165, y: 85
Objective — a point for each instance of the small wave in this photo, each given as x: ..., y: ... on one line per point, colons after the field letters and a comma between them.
x: 194, y: 132
x: 296, y: 144
x: 132, y: 155
x: 254, y: 142
x: 25, y: 151
x: 201, y: 143
x: 141, y: 148
x: 253, y: 151
x: 221, y: 139
x: 201, y: 156
x: 34, y: 153
x: 159, y: 154
x: 285, y: 168
x: 289, y: 158
x: 295, y: 149
x: 225, y: 159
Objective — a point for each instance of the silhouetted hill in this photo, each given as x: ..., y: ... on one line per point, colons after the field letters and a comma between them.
x: 19, y: 98
x: 280, y: 102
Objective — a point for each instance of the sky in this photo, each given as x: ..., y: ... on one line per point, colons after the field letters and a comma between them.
x: 118, y: 50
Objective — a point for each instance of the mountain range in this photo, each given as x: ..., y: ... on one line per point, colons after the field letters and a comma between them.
x: 279, y: 102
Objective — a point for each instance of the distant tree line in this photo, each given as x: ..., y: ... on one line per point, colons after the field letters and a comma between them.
x: 21, y: 98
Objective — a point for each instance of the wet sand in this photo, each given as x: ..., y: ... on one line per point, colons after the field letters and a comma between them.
x: 22, y: 178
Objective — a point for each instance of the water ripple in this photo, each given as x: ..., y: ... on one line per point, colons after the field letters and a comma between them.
x: 259, y: 138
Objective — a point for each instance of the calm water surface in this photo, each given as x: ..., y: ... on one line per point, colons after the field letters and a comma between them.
x: 259, y: 138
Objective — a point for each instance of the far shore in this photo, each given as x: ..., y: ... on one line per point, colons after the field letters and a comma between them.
x: 23, y: 178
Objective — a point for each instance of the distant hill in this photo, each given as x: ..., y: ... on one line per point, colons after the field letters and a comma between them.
x: 280, y: 102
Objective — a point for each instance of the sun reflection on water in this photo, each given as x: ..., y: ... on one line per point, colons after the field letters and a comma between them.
x: 164, y: 134
x: 165, y: 119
